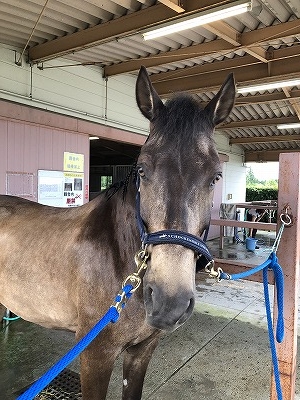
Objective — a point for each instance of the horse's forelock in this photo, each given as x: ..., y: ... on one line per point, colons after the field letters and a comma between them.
x: 182, y: 119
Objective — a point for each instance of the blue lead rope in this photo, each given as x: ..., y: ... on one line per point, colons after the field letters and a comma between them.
x: 112, y: 315
x: 272, y: 264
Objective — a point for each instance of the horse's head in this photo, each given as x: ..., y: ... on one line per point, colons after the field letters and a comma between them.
x: 178, y: 168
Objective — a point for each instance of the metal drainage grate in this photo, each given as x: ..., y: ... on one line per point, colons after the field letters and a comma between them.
x: 66, y: 386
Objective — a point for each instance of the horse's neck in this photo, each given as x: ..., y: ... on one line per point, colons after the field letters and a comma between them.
x: 121, y: 209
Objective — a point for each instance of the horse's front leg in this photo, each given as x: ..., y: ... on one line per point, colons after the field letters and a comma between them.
x: 96, y: 365
x: 136, y: 360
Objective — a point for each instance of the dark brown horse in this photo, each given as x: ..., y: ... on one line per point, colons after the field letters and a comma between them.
x: 63, y: 267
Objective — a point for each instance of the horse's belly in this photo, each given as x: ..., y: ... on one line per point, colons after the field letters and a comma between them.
x: 59, y: 313
x: 51, y: 318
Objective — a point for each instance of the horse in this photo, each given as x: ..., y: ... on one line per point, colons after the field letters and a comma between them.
x: 63, y: 266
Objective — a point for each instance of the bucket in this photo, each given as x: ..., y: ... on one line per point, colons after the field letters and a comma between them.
x: 251, y: 243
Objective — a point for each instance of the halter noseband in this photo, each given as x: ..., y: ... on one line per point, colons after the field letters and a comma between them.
x: 170, y: 236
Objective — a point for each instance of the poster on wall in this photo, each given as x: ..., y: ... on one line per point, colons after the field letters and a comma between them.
x: 73, y: 189
x: 60, y: 189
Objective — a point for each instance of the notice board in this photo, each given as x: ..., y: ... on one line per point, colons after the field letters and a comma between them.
x: 60, y: 188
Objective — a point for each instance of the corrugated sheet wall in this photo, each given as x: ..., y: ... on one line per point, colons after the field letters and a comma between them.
x: 26, y: 148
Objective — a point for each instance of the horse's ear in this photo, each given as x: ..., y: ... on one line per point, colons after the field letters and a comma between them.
x: 221, y: 105
x: 147, y: 99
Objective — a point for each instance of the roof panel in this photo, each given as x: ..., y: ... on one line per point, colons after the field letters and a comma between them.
x: 200, y: 58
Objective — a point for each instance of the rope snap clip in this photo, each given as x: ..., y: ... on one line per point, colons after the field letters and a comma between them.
x: 210, y: 269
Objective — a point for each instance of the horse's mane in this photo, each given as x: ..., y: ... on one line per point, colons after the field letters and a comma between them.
x: 115, y: 187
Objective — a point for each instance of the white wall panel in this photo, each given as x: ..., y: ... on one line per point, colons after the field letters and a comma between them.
x: 234, y: 182
x: 13, y: 78
x: 121, y: 105
x: 79, y: 91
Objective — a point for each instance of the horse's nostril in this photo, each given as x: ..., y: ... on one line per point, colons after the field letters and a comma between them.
x: 149, y: 293
x: 148, y: 296
x: 187, y: 312
x: 191, y: 305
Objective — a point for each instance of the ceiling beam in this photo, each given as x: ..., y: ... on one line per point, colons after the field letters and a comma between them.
x: 210, y: 76
x: 173, y: 4
x: 242, y: 101
x: 98, y: 34
x: 232, y: 36
x: 266, y: 98
x: 167, y: 57
x: 223, y: 46
x: 266, y: 155
x: 293, y: 102
x: 264, y: 139
x: 224, y: 31
x: 258, y: 122
x: 273, y: 56
x: 224, y: 66
x: 103, y: 33
x: 279, y: 31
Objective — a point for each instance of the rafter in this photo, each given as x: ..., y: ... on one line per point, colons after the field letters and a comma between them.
x: 224, y: 31
x: 293, y: 102
x: 258, y: 122
x: 246, y: 41
x: 232, y: 36
x: 111, y: 30
x: 154, y: 60
x: 265, y: 139
x: 173, y: 4
x: 265, y: 155
x: 279, y: 31
x: 210, y: 76
x: 273, y: 56
x: 266, y: 98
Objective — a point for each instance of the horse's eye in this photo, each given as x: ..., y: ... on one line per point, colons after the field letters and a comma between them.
x: 141, y: 172
x: 216, y: 179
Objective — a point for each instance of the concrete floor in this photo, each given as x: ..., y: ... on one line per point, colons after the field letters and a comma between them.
x: 221, y: 353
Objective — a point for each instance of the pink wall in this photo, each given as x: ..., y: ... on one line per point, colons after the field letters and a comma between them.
x: 33, y: 139
x: 26, y: 148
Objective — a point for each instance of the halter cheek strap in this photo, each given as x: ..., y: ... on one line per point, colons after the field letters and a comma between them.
x: 170, y: 236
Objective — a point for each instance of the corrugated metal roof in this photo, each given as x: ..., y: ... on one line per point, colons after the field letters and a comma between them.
x: 260, y: 45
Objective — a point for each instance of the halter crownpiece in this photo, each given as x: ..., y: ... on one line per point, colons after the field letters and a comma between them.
x: 170, y: 236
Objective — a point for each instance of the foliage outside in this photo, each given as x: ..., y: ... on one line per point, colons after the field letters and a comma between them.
x: 257, y: 190
x: 253, y: 182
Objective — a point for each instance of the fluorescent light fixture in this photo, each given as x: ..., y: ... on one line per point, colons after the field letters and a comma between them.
x: 93, y: 138
x: 201, y: 18
x: 289, y: 126
x: 268, y: 86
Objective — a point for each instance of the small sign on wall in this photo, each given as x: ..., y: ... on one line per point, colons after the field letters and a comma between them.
x: 73, y: 162
x: 60, y: 189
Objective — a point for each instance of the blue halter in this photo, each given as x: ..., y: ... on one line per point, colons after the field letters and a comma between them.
x: 170, y: 236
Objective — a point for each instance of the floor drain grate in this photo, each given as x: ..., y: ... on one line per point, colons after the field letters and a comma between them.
x: 66, y: 386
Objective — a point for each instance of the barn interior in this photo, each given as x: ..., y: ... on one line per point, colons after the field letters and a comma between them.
x: 222, y: 352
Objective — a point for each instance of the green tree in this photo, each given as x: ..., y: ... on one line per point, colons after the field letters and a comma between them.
x: 253, y: 182
x: 250, y: 178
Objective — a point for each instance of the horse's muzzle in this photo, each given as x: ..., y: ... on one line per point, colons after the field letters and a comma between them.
x: 167, y: 312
